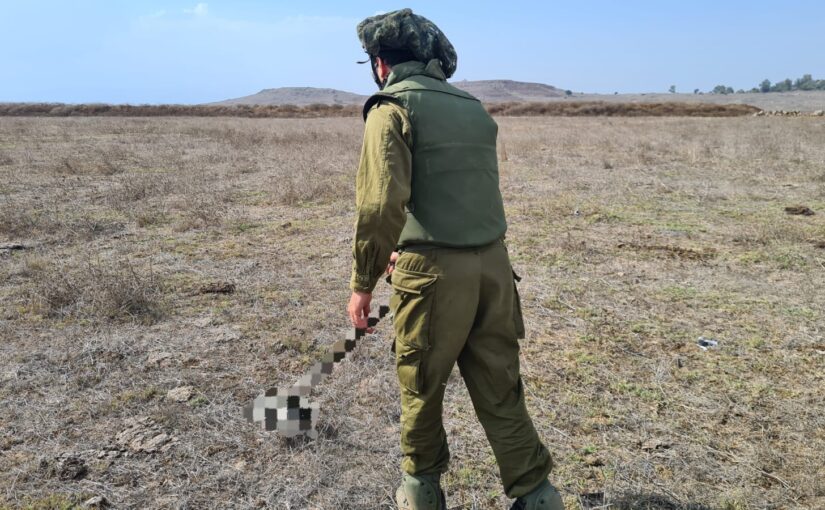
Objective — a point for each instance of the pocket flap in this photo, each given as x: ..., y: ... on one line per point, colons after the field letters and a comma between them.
x: 413, y: 282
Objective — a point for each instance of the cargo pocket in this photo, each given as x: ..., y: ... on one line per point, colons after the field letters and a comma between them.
x: 518, y: 318
x: 412, y: 304
x: 408, y: 364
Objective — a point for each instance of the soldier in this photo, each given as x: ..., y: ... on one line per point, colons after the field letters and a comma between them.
x: 429, y: 211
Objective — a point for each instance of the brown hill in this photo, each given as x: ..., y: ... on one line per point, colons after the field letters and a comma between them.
x: 509, y: 91
x: 298, y: 96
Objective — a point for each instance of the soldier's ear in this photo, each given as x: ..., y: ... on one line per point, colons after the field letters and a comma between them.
x: 382, y: 68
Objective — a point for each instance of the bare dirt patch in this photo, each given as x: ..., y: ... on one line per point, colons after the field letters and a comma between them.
x: 671, y: 251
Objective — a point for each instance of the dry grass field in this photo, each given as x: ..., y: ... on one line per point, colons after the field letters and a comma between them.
x: 804, y: 101
x: 634, y: 237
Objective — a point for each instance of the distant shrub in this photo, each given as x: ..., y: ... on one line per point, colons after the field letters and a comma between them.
x: 601, y: 108
x: 321, y: 110
x: 126, y: 110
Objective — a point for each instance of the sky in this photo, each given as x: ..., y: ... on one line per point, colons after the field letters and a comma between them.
x: 170, y: 51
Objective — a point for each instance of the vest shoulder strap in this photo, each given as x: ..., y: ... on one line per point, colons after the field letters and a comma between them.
x: 429, y: 84
x: 378, y: 98
x: 419, y: 83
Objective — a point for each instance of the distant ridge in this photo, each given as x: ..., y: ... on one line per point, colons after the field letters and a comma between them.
x: 509, y: 91
x: 298, y: 96
x: 488, y: 91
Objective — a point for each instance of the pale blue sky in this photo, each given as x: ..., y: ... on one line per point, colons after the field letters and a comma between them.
x: 169, y: 51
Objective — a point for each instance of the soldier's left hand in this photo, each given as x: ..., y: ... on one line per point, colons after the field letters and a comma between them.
x: 391, y: 265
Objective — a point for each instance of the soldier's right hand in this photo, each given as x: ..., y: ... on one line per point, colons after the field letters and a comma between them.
x: 358, y: 310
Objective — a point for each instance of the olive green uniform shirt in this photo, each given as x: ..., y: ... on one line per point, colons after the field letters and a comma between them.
x: 382, y: 190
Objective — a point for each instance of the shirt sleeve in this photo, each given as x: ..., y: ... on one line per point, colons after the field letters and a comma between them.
x: 382, y: 190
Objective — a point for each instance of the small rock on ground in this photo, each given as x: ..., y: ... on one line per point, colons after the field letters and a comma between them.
x: 144, y: 435
x: 66, y: 466
x: 181, y: 394
x: 160, y: 359
x: 96, y: 502
x: 203, y: 322
x: 654, y: 444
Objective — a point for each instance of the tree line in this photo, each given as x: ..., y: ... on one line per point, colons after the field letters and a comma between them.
x: 787, y: 85
x: 806, y: 82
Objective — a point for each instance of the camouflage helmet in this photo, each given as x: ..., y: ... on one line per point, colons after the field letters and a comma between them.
x: 403, y: 30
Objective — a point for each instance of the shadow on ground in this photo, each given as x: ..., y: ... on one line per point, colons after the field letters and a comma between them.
x: 593, y: 501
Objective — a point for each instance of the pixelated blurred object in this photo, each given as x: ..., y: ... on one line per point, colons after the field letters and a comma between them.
x: 592, y: 500
x: 288, y: 410
x: 707, y: 343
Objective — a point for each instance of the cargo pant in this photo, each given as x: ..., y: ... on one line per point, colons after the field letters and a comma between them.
x: 461, y: 305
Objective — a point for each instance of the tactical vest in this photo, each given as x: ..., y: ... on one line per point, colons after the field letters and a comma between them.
x: 455, y: 198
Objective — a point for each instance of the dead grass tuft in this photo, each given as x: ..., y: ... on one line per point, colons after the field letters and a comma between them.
x: 97, y: 290
x: 57, y: 501
x: 293, y: 190
x: 138, y: 188
x: 202, y: 210
x: 15, y: 221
